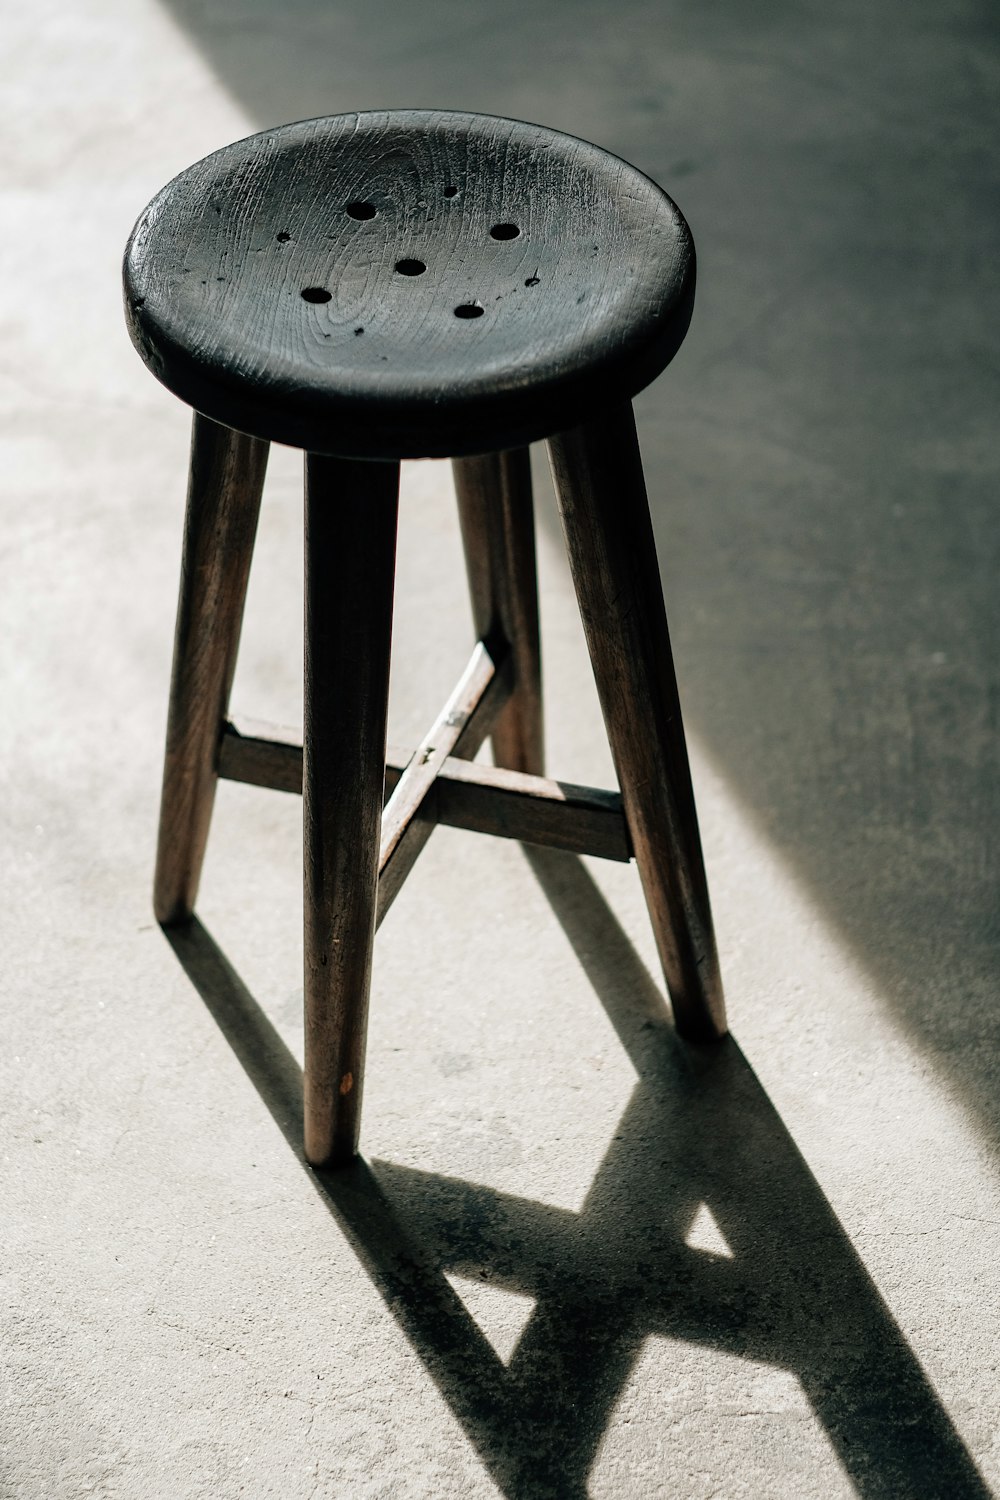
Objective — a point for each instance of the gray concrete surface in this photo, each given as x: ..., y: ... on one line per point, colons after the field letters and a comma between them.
x: 577, y: 1259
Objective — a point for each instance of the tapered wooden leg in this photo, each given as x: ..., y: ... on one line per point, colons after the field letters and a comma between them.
x: 602, y: 497
x: 351, y: 511
x: 224, y: 489
x: 498, y: 532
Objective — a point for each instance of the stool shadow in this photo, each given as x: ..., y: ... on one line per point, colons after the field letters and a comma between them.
x: 698, y: 1129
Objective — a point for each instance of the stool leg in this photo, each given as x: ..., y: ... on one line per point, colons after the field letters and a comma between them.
x: 351, y: 511
x: 498, y: 532
x: 602, y: 497
x: 225, y: 481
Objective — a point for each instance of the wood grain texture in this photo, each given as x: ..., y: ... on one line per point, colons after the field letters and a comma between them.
x: 602, y: 498
x: 533, y: 810
x: 482, y: 799
x: 226, y: 477
x: 351, y: 511
x: 410, y: 815
x: 591, y: 296
x: 497, y: 516
x: 262, y: 754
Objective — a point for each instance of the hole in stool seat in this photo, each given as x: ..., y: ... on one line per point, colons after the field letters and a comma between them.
x: 504, y: 232
x: 469, y: 310
x: 359, y: 209
x: 451, y: 192
x: 410, y: 267
x: 316, y: 294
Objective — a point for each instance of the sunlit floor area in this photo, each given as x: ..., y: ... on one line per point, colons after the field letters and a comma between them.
x: 576, y: 1257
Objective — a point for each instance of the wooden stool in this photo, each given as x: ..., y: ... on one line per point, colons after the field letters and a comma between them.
x: 409, y: 284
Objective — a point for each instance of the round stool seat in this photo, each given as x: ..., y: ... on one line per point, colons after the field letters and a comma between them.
x: 408, y: 283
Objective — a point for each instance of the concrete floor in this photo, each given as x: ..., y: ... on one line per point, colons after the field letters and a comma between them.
x: 578, y: 1258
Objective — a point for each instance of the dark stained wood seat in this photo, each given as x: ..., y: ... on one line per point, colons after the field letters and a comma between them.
x: 383, y: 286
x: 407, y: 284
